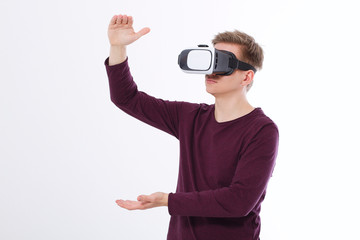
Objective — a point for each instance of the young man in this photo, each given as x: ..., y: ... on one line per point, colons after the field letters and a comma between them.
x: 227, y: 149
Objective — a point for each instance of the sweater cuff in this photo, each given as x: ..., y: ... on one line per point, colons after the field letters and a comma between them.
x: 120, y: 65
x: 175, y: 204
x: 170, y: 203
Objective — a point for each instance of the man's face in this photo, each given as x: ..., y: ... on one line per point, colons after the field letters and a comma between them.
x: 218, y: 85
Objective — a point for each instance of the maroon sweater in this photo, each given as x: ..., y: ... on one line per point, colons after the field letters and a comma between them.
x: 224, y: 167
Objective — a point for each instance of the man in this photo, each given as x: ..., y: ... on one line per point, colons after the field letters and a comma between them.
x: 227, y: 149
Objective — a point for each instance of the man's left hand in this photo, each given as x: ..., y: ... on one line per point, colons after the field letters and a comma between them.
x: 143, y: 202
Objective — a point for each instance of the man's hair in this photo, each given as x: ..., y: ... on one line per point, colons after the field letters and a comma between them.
x: 250, y: 51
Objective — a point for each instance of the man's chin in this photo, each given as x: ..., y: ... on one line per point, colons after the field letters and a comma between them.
x: 211, y: 92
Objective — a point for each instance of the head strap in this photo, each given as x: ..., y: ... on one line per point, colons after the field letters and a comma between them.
x: 237, y: 64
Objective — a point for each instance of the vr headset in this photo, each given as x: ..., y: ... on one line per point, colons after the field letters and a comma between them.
x: 206, y: 60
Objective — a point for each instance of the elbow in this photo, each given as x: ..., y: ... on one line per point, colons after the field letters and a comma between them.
x: 244, y: 202
x: 245, y: 211
x: 122, y: 99
x: 115, y: 101
x: 119, y: 101
x: 242, y: 210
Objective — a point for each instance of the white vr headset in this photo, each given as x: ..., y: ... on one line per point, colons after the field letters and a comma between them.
x: 206, y: 60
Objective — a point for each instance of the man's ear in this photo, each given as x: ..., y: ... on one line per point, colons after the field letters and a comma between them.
x: 248, y: 78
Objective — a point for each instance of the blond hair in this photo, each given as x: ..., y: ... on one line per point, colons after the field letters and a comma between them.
x: 250, y: 51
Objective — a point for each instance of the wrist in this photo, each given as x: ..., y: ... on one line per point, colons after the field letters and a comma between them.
x: 113, y: 46
x: 166, y: 199
x: 117, y: 54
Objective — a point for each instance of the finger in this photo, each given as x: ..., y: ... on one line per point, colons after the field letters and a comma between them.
x: 130, y: 205
x: 119, y: 19
x: 131, y: 21
x: 113, y: 20
x: 119, y: 202
x: 137, y: 205
x: 143, y: 198
x: 125, y: 19
x: 142, y: 32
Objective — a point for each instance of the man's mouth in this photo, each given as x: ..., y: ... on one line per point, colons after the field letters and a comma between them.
x: 211, y: 78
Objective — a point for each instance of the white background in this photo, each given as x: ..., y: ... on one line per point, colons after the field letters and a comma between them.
x: 67, y: 153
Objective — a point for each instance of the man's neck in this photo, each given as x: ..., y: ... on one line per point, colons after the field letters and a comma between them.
x: 231, y: 107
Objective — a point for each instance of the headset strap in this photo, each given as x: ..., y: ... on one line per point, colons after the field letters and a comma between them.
x: 237, y: 64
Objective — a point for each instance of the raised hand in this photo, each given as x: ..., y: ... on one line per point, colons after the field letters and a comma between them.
x: 121, y: 31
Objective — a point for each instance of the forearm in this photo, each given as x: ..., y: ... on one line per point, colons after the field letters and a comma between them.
x: 122, y: 87
x: 117, y: 55
x: 159, y: 113
x: 223, y: 202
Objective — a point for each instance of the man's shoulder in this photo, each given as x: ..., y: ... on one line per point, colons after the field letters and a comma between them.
x: 195, y: 107
x: 261, y: 116
x: 261, y: 120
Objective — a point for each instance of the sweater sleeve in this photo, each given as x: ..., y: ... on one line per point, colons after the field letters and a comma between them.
x: 162, y: 114
x: 249, y: 183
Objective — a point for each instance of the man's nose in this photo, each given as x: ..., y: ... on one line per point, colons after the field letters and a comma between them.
x: 211, y: 75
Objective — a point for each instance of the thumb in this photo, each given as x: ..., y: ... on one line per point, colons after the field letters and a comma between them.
x: 142, y: 32
x: 144, y: 198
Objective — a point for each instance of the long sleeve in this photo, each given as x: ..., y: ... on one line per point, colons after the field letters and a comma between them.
x: 247, y: 188
x: 162, y: 114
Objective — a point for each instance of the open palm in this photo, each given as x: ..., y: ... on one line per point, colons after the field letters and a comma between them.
x: 121, y: 31
x: 143, y: 202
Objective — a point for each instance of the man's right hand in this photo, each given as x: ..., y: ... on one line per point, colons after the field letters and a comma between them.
x: 121, y: 33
